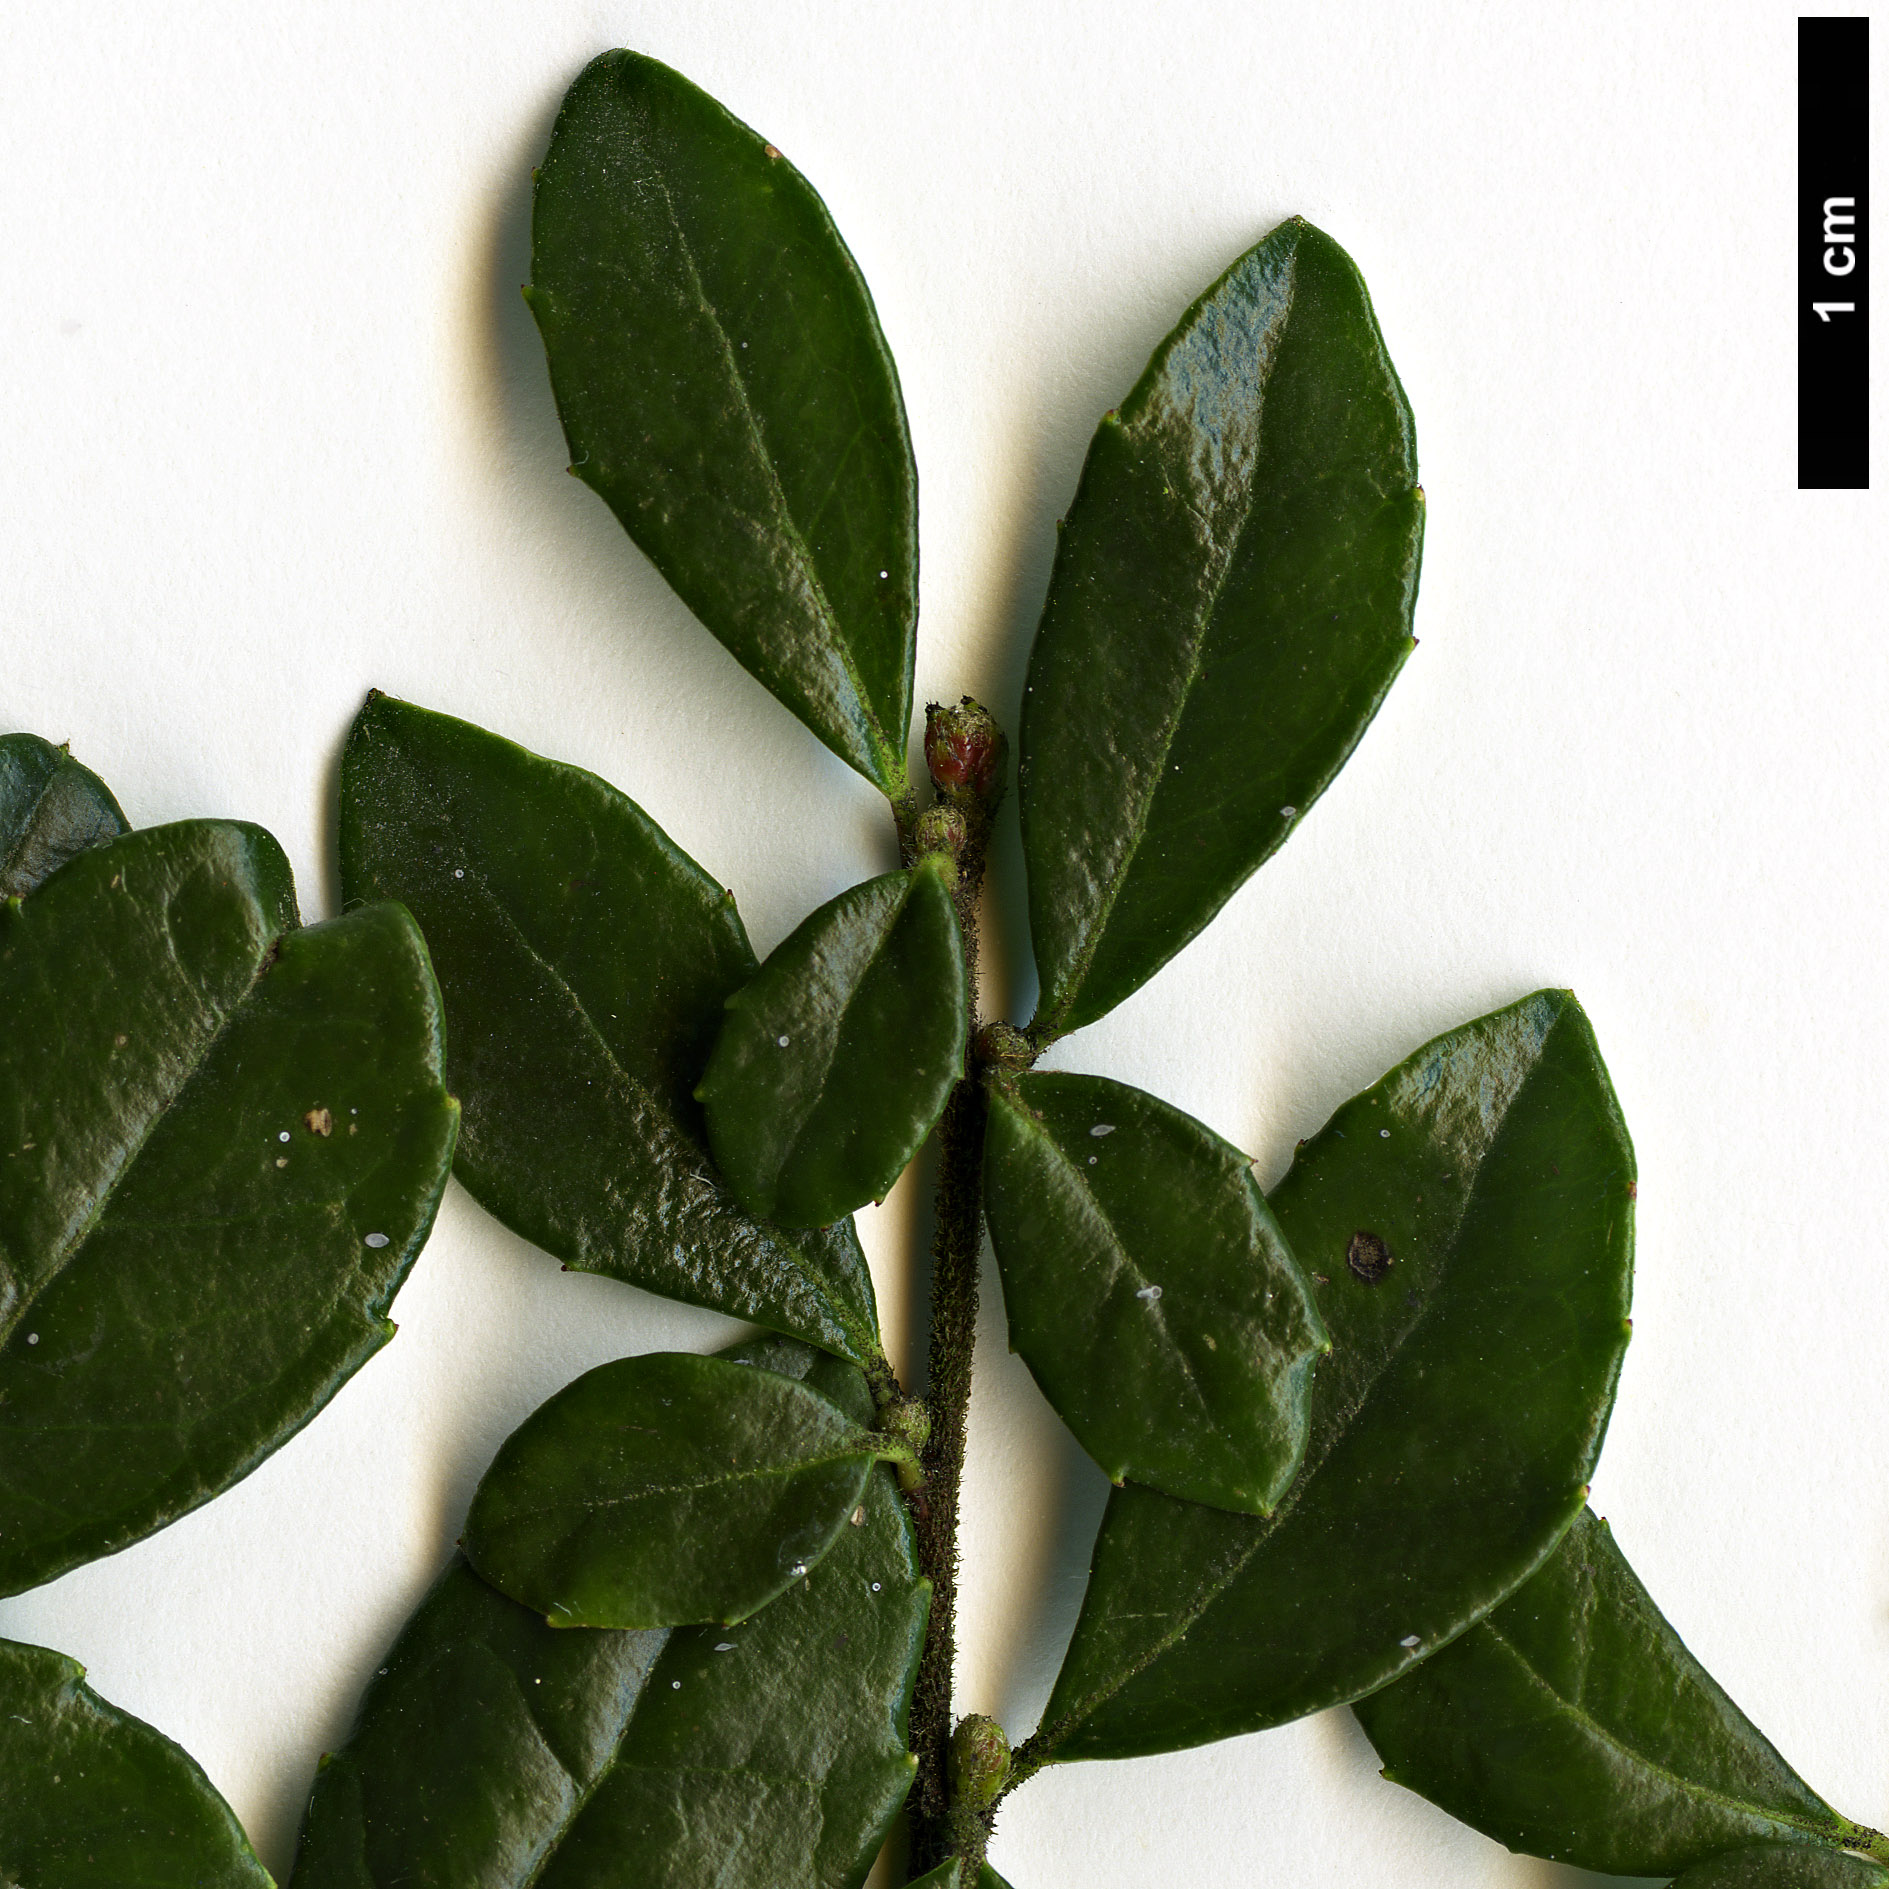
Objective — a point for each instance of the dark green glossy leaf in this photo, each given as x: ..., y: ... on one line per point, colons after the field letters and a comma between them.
x: 836, y: 1061
x: 222, y: 1143
x: 726, y: 391
x: 1149, y: 1289
x: 92, y: 1798
x: 1469, y: 1223
x: 50, y: 809
x: 584, y: 960
x: 666, y: 1490
x: 1784, y: 1866
x: 1231, y: 599
x: 945, y: 1876
x: 495, y: 1752
x: 1573, y: 1724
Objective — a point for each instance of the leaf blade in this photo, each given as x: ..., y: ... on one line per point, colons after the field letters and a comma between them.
x: 726, y: 390
x: 1783, y: 1866
x: 50, y: 809
x: 1257, y: 487
x: 836, y: 1061
x: 666, y: 1490
x: 1573, y: 1723
x: 229, y: 1145
x: 776, y: 1701
x: 1149, y: 1289
x: 584, y: 960
x: 1406, y: 1524
x: 89, y: 1794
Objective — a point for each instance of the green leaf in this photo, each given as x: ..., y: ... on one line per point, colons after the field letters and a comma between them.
x: 90, y: 1796
x: 727, y: 393
x: 222, y: 1144
x: 1784, y: 1866
x: 1149, y: 1289
x: 50, y: 809
x: 497, y: 1752
x: 1469, y: 1223
x: 1573, y: 1724
x: 1230, y: 602
x: 666, y: 1490
x: 945, y: 1876
x: 584, y: 961
x: 836, y: 1061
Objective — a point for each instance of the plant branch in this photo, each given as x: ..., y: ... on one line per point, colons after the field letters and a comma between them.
x: 965, y: 754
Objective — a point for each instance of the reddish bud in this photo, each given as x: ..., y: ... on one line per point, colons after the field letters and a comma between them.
x: 964, y: 751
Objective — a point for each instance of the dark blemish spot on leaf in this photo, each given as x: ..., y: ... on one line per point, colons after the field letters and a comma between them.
x: 839, y: 1641
x: 1368, y: 1258
x: 1320, y: 1279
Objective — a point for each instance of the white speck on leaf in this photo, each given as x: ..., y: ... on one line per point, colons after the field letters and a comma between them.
x: 781, y: 1042
x: 724, y: 1646
x: 459, y: 872
x: 1411, y: 1639
x: 1288, y: 813
x: 32, y: 1337
x: 1149, y: 1294
x: 675, y: 1685
x: 282, y: 1160
x: 875, y: 1587
x: 1384, y: 1134
x: 377, y: 1240
x: 1101, y: 1129
x: 283, y: 1136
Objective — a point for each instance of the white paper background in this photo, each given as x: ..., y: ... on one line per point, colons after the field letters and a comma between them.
x: 277, y: 430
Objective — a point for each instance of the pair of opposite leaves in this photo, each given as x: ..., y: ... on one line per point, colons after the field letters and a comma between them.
x: 1242, y: 554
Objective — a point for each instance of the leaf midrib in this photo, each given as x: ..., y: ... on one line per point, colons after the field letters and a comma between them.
x: 802, y: 551
x: 862, y: 1452
x: 1205, y: 621
x: 76, y: 1240
x: 1603, y: 1735
x: 1041, y: 1132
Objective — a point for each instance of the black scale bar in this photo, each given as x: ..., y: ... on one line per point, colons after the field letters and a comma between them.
x: 1832, y: 254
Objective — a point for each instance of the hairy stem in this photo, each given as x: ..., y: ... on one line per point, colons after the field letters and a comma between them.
x: 935, y: 1510
x: 954, y: 1283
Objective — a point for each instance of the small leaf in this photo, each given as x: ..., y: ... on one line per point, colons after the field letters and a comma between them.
x: 1230, y: 602
x: 90, y: 1795
x: 1149, y: 1290
x: 726, y: 391
x: 50, y: 809
x: 1784, y: 1866
x: 666, y: 1490
x: 836, y: 1061
x: 224, y: 1140
x: 584, y: 960
x: 1573, y: 1724
x: 497, y: 1751
x: 1468, y: 1221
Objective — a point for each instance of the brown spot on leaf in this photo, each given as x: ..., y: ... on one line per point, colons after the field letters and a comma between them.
x: 1368, y: 1258
x: 320, y: 1122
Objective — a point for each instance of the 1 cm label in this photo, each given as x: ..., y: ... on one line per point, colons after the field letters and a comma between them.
x: 1839, y: 253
